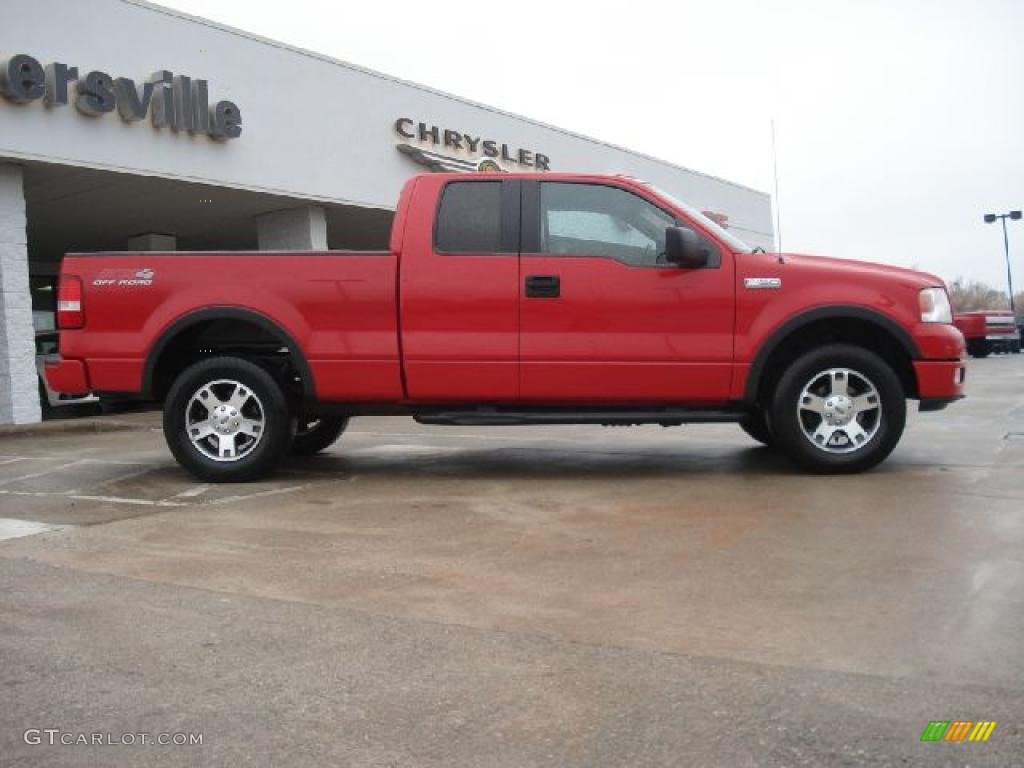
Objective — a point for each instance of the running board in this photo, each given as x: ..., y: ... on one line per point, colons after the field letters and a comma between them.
x: 666, y: 417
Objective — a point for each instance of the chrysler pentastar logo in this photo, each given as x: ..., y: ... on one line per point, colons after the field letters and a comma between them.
x: 445, y: 149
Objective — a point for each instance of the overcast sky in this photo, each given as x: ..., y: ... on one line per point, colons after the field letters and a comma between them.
x: 898, y: 123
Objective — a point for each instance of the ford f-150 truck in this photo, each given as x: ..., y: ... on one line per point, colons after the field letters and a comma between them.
x: 512, y: 299
x: 988, y: 330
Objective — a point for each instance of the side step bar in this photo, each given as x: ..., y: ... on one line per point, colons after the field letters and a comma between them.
x: 666, y: 417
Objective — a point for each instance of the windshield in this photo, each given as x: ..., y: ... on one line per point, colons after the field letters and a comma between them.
x: 712, y: 226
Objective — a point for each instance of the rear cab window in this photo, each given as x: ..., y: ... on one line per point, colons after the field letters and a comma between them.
x: 469, y: 218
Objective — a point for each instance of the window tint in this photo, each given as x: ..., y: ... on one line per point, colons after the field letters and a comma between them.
x: 469, y: 218
x: 595, y: 220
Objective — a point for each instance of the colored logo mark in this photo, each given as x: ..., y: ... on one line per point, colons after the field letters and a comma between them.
x: 958, y: 730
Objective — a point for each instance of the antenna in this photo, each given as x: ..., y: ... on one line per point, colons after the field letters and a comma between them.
x: 778, y: 206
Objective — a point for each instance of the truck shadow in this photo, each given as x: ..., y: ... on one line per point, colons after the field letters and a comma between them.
x: 528, y: 463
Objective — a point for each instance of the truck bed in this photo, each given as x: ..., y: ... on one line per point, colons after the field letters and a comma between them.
x: 339, y: 307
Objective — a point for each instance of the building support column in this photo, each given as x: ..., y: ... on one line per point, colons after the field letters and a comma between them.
x: 19, y: 385
x: 294, y: 229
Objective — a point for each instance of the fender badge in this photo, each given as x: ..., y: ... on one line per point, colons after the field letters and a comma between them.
x: 762, y: 282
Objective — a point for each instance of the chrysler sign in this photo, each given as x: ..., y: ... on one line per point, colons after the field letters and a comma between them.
x: 175, y: 101
x: 445, y: 149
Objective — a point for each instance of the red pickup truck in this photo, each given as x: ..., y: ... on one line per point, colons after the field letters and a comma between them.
x: 988, y: 330
x: 512, y: 299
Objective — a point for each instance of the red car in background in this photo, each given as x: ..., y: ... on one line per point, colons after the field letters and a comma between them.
x: 989, y: 330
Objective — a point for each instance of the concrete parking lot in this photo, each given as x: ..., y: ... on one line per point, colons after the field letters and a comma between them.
x: 569, y: 596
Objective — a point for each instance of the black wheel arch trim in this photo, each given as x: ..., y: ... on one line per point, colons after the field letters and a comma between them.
x: 829, y: 312
x: 184, y: 322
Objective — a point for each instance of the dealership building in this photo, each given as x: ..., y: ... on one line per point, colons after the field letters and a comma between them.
x: 128, y: 126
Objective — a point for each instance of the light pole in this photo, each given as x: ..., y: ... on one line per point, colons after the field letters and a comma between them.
x: 1014, y: 215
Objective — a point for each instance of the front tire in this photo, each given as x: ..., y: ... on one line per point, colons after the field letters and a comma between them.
x: 839, y: 409
x: 226, y: 420
x: 315, y: 435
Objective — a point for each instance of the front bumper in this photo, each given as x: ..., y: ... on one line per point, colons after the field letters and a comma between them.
x: 67, y: 376
x: 939, y: 380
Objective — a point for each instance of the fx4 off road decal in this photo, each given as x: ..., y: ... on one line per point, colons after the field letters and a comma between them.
x: 124, y: 278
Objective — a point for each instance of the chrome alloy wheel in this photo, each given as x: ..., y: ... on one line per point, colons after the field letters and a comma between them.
x: 839, y: 410
x: 225, y: 420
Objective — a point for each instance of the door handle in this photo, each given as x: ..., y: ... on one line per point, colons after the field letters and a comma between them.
x: 543, y: 287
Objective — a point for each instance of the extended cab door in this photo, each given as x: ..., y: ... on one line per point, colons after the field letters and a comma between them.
x: 603, y: 317
x: 459, y: 290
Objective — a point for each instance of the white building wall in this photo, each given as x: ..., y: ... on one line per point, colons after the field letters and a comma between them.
x: 312, y: 127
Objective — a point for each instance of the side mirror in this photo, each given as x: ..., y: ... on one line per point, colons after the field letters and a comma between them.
x: 683, y: 247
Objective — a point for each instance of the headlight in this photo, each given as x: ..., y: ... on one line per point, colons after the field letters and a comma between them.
x: 935, y: 306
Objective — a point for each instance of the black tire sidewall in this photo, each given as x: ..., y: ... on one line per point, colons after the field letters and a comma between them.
x: 756, y: 425
x: 45, y: 409
x: 322, y: 436
x: 278, y: 426
x: 789, y: 433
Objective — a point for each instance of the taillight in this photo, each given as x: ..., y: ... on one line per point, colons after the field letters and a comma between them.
x: 69, y: 303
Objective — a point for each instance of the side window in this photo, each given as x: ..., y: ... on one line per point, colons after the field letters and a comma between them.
x: 596, y: 220
x: 469, y: 218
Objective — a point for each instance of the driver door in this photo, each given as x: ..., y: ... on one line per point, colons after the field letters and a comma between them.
x: 603, y: 317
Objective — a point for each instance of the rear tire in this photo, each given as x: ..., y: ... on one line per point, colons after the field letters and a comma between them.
x: 838, y: 409
x: 315, y: 435
x: 756, y: 426
x: 226, y: 420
